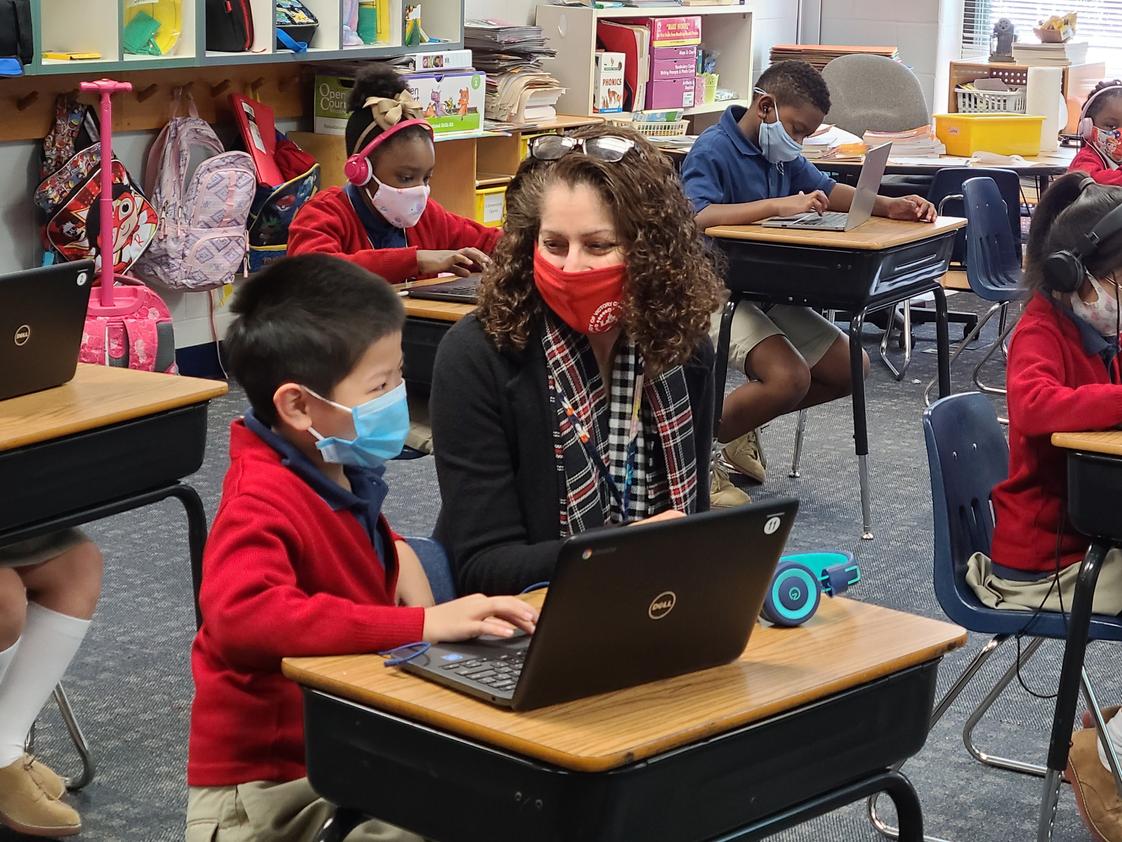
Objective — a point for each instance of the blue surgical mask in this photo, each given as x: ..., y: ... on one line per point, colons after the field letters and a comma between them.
x: 381, y: 426
x: 778, y: 146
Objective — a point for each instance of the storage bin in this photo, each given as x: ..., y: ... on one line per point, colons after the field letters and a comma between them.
x: 1003, y: 134
x: 490, y: 206
x: 973, y: 101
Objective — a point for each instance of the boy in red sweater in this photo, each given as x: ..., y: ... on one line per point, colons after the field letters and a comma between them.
x: 1063, y: 376
x: 1100, y: 125
x: 300, y: 560
x: 383, y: 219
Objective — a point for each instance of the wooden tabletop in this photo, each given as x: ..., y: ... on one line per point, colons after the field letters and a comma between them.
x: 1049, y: 163
x: 1107, y: 443
x: 846, y: 644
x: 97, y: 397
x: 441, y: 311
x: 876, y: 234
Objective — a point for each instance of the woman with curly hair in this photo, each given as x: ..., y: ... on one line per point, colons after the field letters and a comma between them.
x: 580, y: 392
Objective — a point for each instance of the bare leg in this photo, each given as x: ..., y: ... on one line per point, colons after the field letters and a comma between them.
x: 830, y: 378
x: 13, y: 607
x: 69, y: 584
x: 780, y: 382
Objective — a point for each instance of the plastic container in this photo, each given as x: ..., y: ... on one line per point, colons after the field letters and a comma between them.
x: 1003, y: 134
x: 675, y: 129
x: 971, y: 101
x: 490, y: 206
x: 709, y: 87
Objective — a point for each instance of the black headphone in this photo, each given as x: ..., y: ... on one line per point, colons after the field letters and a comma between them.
x: 1064, y: 270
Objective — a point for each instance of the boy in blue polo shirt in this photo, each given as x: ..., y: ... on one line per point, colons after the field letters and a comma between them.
x: 744, y: 169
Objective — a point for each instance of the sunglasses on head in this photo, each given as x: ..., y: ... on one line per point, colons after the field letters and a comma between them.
x: 608, y: 148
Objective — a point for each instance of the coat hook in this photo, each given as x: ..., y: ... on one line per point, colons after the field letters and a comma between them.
x: 220, y: 88
x: 27, y: 100
x: 257, y: 83
x: 146, y: 93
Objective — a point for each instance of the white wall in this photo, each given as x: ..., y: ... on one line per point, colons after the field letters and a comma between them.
x: 773, y: 22
x: 515, y: 11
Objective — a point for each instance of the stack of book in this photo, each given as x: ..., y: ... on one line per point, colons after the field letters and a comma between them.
x: 831, y: 143
x: 1050, y: 55
x: 919, y: 142
x: 519, y: 91
x: 819, y: 55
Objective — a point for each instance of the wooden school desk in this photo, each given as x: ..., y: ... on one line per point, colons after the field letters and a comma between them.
x: 873, y: 266
x: 1094, y: 479
x: 109, y: 441
x: 806, y: 720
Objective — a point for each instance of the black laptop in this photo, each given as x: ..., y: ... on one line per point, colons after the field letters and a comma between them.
x: 458, y: 290
x: 42, y: 314
x: 629, y: 605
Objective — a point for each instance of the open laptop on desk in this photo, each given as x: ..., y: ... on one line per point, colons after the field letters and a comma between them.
x: 42, y: 313
x: 456, y: 290
x: 868, y: 183
x: 627, y: 606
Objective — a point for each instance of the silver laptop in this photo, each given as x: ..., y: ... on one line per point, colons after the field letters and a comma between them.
x: 872, y: 171
x: 629, y: 605
x: 42, y: 314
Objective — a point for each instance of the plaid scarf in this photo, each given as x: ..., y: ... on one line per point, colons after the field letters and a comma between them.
x: 665, y: 471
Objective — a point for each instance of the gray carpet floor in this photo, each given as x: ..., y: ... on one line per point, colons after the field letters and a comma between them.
x: 131, y: 683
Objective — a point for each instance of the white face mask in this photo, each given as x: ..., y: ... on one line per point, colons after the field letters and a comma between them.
x: 1101, y: 314
x: 401, y: 206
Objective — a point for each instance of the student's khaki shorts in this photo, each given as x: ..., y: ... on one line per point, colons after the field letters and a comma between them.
x: 808, y: 332
x: 997, y: 592
x: 40, y: 549
x: 264, y: 811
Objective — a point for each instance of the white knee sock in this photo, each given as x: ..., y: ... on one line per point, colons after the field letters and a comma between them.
x: 48, y: 645
x: 6, y: 657
x: 1114, y: 730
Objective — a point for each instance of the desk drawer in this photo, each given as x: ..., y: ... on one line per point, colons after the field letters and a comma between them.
x: 419, y: 341
x: 60, y: 476
x: 449, y: 788
x: 1092, y: 483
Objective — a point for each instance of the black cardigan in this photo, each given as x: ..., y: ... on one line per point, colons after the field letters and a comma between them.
x: 493, y: 439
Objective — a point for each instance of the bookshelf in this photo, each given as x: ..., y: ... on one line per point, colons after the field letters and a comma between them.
x: 572, y: 31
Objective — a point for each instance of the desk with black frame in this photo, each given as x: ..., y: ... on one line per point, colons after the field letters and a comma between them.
x: 875, y: 265
x: 721, y: 754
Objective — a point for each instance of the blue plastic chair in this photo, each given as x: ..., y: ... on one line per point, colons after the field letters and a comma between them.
x: 946, y: 194
x: 434, y: 561
x: 993, y: 268
x: 967, y: 456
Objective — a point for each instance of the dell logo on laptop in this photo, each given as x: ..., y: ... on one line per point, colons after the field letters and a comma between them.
x: 662, y: 605
x: 23, y: 333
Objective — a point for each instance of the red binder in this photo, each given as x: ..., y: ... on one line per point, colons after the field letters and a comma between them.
x: 634, y: 42
x: 255, y: 122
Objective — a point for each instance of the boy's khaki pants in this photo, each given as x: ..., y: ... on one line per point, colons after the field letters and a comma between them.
x: 264, y: 811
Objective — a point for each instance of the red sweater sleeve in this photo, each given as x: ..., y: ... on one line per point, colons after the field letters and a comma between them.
x: 325, y: 228
x: 256, y: 612
x: 1088, y: 161
x: 452, y: 231
x: 1040, y: 402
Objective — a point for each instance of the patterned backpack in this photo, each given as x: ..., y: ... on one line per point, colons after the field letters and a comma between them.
x: 201, y: 241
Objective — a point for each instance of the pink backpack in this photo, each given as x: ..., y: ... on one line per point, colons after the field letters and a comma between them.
x: 201, y: 241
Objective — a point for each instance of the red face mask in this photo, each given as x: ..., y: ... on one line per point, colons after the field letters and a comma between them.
x: 589, y: 302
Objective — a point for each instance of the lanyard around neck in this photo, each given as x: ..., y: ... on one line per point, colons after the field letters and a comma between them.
x: 622, y: 497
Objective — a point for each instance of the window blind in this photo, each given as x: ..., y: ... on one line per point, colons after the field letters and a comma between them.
x: 1100, y: 25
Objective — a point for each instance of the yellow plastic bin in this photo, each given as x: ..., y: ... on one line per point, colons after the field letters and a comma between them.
x: 490, y: 206
x: 1002, y: 134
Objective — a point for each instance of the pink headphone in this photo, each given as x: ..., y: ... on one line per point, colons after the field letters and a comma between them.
x: 1086, y: 124
x: 357, y: 169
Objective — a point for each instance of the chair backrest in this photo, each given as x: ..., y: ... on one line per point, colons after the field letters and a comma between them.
x: 898, y: 103
x: 434, y: 561
x: 993, y: 262
x: 947, y: 184
x: 967, y: 456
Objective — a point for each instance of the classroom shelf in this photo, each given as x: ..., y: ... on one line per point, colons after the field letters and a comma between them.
x: 670, y: 11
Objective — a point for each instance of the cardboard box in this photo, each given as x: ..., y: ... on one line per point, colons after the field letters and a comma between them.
x: 672, y: 32
x: 607, y: 86
x: 671, y: 93
x: 453, y: 101
x: 666, y: 53
x: 674, y: 68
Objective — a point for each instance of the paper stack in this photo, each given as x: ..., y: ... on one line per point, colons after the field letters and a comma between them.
x: 519, y: 91
x: 831, y: 143
x: 819, y: 55
x: 1050, y: 55
x: 920, y: 142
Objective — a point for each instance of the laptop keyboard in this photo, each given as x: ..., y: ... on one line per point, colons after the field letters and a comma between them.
x: 499, y: 673
x: 830, y: 218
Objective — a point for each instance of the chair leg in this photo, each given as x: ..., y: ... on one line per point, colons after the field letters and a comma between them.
x: 796, y: 456
x: 970, y: 337
x: 79, y: 740
x: 955, y: 690
x: 996, y: 762
x: 1006, y: 326
x: 1100, y: 726
x: 906, y: 335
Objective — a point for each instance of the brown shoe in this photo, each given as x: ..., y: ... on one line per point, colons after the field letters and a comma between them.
x: 1096, y: 798
x: 27, y: 809
x: 744, y: 456
x: 722, y: 493
x: 48, y: 779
